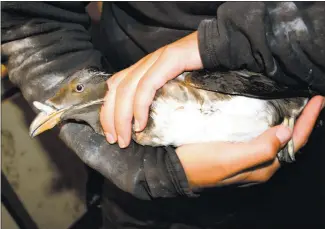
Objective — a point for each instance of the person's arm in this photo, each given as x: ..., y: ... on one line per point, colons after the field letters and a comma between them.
x: 45, y: 42
x: 284, y: 40
x: 205, y: 164
x: 133, y: 89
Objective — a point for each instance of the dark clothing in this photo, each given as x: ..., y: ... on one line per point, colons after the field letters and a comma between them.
x: 146, y: 187
x: 283, y: 40
x: 143, y: 27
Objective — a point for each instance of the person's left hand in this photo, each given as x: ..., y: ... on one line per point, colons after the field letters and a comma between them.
x: 132, y: 90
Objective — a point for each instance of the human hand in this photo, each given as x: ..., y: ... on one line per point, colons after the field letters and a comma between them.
x: 221, y: 163
x: 132, y: 90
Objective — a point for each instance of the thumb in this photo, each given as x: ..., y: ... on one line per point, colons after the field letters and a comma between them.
x: 233, y: 158
x: 271, y: 141
x: 258, y: 151
x: 278, y: 135
x: 283, y: 135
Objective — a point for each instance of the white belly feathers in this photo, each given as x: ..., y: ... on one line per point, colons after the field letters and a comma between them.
x: 182, y: 118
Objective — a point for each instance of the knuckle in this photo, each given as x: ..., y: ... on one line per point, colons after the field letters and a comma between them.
x: 115, y: 79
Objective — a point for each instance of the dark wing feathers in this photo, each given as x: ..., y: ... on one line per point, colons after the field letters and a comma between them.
x: 243, y: 83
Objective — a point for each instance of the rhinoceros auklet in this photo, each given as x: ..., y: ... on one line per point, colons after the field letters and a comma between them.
x: 199, y: 106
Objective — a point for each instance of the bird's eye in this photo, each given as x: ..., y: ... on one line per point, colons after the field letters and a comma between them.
x: 79, y: 88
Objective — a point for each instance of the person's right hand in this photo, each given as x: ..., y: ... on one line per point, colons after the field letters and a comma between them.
x: 221, y: 163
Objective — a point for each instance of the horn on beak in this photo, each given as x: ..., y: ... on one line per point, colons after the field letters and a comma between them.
x: 47, y: 119
x: 50, y: 117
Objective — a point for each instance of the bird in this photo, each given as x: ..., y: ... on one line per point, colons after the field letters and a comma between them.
x: 195, y: 107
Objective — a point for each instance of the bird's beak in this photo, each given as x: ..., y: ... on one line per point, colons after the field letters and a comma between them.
x: 50, y: 116
x: 47, y: 119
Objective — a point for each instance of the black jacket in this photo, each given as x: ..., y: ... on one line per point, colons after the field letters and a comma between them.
x: 45, y: 42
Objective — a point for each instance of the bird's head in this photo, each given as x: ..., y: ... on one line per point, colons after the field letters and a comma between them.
x: 79, y: 98
x: 82, y: 87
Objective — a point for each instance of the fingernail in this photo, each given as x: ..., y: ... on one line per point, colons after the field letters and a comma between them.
x: 110, y: 138
x: 283, y: 134
x: 121, y: 142
x: 136, y: 125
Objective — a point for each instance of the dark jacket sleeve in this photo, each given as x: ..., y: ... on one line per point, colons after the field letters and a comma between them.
x: 47, y: 42
x: 284, y: 40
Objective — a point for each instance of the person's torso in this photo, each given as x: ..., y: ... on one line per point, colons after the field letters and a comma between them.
x: 130, y: 30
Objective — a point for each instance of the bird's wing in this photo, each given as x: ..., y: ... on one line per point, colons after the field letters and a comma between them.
x: 243, y: 83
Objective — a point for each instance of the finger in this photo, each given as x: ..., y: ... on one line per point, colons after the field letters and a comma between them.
x: 306, y: 122
x: 123, y: 112
x: 107, y: 110
x: 167, y: 67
